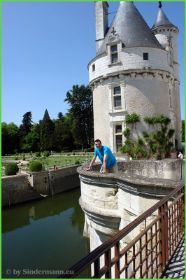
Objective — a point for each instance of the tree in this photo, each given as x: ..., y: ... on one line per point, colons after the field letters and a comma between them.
x: 47, y: 133
x: 26, y: 125
x: 153, y: 144
x: 10, y: 138
x: 60, y: 116
x: 81, y: 111
x: 24, y: 130
x: 32, y: 140
x: 68, y: 141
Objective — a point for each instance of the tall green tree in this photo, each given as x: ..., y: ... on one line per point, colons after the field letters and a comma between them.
x: 60, y: 116
x: 32, y: 140
x: 47, y: 133
x: 10, y: 138
x: 58, y: 133
x: 24, y: 130
x: 26, y: 125
x: 68, y: 142
x: 81, y: 110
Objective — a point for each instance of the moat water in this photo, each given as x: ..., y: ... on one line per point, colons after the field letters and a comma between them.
x: 42, y: 239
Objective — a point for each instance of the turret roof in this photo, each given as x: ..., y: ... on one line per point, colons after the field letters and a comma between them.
x: 162, y: 20
x: 130, y: 27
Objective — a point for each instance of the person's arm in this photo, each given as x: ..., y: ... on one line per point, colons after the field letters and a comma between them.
x: 91, y: 163
x: 105, y: 163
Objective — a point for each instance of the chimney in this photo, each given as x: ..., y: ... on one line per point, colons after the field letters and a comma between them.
x: 101, y: 22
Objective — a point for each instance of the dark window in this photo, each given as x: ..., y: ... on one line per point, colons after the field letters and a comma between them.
x: 114, y: 48
x: 118, y: 128
x: 145, y: 56
x: 117, y: 101
x: 117, y: 90
x: 114, y: 53
x: 93, y: 67
x: 118, y: 142
x: 114, y: 57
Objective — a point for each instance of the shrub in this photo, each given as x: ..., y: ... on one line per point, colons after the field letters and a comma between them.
x: 35, y: 166
x: 11, y: 169
x: 38, y: 154
x: 46, y: 153
x: 126, y: 132
x: 77, y: 162
x: 132, y: 118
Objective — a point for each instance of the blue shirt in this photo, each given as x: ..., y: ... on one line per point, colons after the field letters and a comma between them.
x: 111, y: 160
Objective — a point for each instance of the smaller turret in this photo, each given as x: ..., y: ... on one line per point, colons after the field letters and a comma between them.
x: 166, y: 33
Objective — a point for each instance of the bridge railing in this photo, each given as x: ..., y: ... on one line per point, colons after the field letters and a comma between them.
x: 147, y: 255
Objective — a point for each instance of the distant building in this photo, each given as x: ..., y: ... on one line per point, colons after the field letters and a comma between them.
x: 135, y: 70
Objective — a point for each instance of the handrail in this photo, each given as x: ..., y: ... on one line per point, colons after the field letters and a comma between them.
x: 107, y: 245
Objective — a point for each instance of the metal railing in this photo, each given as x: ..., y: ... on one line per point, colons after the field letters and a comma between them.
x: 148, y: 254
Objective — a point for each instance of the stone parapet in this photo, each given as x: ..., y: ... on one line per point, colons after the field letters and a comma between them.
x: 111, y: 201
x: 34, y: 185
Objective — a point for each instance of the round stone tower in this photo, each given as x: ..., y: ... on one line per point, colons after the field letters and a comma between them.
x: 131, y: 73
x: 167, y: 35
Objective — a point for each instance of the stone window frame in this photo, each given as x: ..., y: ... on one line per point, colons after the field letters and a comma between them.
x: 115, y: 108
x: 123, y: 106
x: 109, y: 52
x: 118, y: 134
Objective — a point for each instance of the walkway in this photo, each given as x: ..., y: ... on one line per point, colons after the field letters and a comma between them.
x: 176, y: 267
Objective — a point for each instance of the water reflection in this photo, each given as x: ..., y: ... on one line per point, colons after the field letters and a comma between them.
x: 23, y: 214
x: 45, y: 234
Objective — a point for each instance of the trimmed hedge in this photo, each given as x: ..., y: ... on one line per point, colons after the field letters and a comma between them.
x: 11, y: 169
x: 35, y: 166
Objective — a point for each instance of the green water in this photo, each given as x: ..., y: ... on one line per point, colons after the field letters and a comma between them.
x: 44, y: 237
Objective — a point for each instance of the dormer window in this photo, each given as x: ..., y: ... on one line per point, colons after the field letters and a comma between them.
x: 145, y: 56
x: 114, y: 53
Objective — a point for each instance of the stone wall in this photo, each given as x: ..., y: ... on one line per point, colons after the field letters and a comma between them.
x: 63, y: 179
x: 164, y: 169
x: 21, y: 188
x: 16, y: 189
x: 111, y: 201
x: 131, y: 58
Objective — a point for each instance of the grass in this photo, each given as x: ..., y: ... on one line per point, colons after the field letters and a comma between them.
x: 59, y: 160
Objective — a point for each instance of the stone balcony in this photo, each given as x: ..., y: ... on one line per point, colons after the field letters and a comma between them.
x: 111, y: 201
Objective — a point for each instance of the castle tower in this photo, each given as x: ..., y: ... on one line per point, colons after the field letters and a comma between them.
x: 130, y: 74
x: 167, y: 35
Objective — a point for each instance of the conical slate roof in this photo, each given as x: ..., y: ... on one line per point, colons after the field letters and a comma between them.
x: 162, y: 20
x: 131, y: 28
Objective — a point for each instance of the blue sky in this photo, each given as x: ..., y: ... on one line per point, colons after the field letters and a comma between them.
x: 47, y: 46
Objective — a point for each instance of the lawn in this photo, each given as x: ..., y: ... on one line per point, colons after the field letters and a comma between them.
x: 58, y: 159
